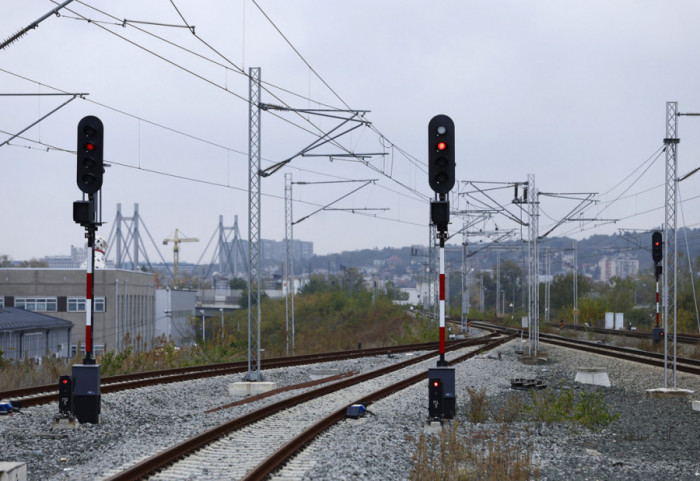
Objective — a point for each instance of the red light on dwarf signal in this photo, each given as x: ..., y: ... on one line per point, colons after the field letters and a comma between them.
x: 441, y: 145
x: 436, y: 383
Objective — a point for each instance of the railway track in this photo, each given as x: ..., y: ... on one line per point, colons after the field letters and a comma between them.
x: 254, y: 445
x: 691, y: 366
x: 38, y: 395
x: 682, y: 338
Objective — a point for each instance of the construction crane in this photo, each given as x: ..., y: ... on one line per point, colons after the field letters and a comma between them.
x: 176, y: 251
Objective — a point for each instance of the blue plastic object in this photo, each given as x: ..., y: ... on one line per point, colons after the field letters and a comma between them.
x: 356, y: 410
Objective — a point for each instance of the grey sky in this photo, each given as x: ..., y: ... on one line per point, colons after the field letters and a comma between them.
x: 573, y: 92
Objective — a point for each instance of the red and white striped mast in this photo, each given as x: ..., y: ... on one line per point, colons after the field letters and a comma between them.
x: 441, y: 177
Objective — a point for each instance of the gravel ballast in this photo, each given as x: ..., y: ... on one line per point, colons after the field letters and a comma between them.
x: 651, y: 439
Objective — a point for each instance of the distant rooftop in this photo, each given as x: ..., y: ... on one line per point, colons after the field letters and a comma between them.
x: 15, y: 319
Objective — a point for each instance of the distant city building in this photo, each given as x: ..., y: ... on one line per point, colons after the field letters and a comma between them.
x: 124, y: 303
x: 617, y: 267
x: 31, y: 335
x: 173, y: 311
x: 73, y: 261
x: 272, y: 250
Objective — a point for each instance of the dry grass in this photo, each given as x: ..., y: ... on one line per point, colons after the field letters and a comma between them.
x: 465, y: 454
x: 27, y: 374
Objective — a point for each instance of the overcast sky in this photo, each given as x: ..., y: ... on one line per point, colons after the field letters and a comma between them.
x: 572, y: 92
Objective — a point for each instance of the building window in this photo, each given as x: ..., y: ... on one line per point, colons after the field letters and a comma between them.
x: 39, y: 304
x: 77, y: 304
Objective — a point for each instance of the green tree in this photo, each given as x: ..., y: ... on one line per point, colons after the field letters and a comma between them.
x: 317, y: 283
x: 561, y: 294
x: 243, y: 302
x: 34, y: 262
x: 237, y: 283
x: 394, y: 293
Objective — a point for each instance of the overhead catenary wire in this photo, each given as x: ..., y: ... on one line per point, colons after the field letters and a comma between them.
x: 366, y: 163
x: 690, y: 267
x: 619, y: 198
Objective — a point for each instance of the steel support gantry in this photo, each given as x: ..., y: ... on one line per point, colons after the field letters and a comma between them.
x: 254, y: 243
x: 670, y: 261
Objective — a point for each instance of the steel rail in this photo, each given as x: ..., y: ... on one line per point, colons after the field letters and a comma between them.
x: 690, y: 366
x: 281, y: 456
x: 169, y: 456
x: 47, y: 393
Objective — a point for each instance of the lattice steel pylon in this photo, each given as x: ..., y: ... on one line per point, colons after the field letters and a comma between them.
x: 465, y: 275
x: 547, y: 285
x: 289, y: 265
x: 533, y: 264
x: 670, y: 261
x: 254, y: 244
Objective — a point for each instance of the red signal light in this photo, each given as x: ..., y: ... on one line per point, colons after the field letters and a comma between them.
x: 65, y: 381
x: 89, y: 146
x: 436, y: 383
x: 441, y: 146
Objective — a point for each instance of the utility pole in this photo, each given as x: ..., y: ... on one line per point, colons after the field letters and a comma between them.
x: 670, y: 260
x: 498, y: 282
x: 576, y: 311
x: 289, y: 265
x: 353, y: 117
x: 254, y: 243
x: 466, y: 274
x: 547, y: 285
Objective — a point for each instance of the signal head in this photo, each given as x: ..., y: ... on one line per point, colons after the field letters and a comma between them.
x: 90, y: 152
x: 657, y: 252
x: 441, y: 154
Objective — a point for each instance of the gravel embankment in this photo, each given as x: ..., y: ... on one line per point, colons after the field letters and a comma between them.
x: 652, y: 439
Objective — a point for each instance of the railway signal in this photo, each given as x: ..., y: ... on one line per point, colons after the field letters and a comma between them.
x: 90, y: 154
x: 657, y: 253
x: 657, y: 334
x: 441, y: 178
x: 435, y: 410
x: 85, y: 382
x: 441, y: 154
x: 65, y: 395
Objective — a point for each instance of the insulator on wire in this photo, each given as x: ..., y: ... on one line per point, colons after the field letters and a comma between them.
x: 14, y: 38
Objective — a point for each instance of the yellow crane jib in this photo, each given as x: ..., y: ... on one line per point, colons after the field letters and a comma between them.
x: 176, y: 251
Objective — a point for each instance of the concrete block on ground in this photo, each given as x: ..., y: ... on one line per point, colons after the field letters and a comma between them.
x: 696, y: 405
x: 596, y: 376
x: 316, y: 374
x: 433, y: 427
x: 10, y: 471
x: 250, y: 388
x: 60, y: 424
x: 669, y: 392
